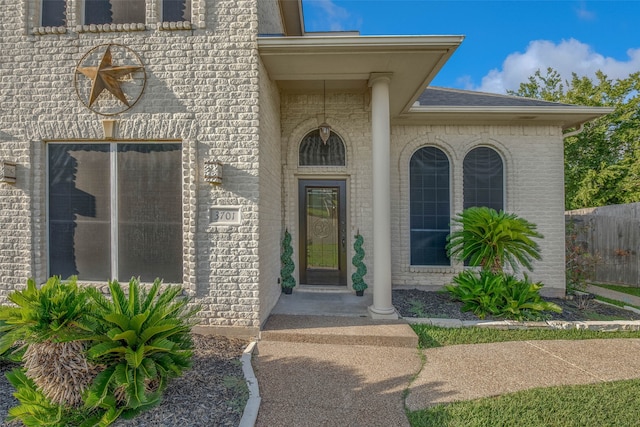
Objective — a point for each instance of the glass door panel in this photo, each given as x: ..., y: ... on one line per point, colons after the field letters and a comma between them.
x: 323, y: 232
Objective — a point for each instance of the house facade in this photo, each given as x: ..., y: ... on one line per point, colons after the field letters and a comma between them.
x: 180, y: 139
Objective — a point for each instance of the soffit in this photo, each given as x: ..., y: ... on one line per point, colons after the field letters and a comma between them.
x: 566, y: 116
x: 304, y: 63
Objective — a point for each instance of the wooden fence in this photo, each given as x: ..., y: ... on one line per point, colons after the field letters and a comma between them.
x: 612, y: 235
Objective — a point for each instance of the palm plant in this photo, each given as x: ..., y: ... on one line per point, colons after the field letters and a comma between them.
x: 492, y: 239
x: 143, y: 340
x: 50, y: 324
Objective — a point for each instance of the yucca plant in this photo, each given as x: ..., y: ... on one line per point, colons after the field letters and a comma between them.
x: 492, y: 239
x: 143, y: 340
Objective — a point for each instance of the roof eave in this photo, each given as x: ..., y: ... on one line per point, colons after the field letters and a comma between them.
x: 565, y: 116
x: 413, y: 60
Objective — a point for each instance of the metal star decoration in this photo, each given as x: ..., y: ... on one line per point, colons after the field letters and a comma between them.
x: 107, y: 76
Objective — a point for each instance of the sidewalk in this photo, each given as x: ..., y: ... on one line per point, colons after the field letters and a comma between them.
x: 303, y: 384
x: 618, y: 296
x: 466, y: 372
x: 352, y: 371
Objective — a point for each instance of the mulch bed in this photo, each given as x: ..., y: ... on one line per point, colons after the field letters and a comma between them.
x: 417, y: 303
x: 212, y: 393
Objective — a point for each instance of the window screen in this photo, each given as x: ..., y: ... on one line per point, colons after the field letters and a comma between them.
x: 53, y: 13
x: 114, y: 11
x: 144, y: 211
x: 429, y: 206
x: 314, y: 152
x: 176, y: 10
x: 483, y: 179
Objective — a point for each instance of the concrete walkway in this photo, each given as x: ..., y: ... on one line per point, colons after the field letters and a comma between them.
x: 465, y: 372
x: 338, y: 370
x: 307, y: 384
x: 617, y: 296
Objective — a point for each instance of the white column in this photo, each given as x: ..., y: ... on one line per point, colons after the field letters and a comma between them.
x: 381, y: 143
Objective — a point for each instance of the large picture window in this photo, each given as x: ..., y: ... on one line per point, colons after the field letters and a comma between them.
x: 115, y: 211
x: 483, y: 179
x: 429, y: 206
x: 114, y: 11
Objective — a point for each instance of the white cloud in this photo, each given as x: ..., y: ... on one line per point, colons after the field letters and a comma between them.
x: 329, y: 17
x: 566, y: 57
x: 584, y: 14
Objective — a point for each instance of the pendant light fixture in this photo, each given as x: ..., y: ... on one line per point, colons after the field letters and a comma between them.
x: 324, y: 127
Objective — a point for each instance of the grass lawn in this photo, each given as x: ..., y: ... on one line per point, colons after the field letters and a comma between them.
x: 614, y: 302
x: 613, y: 404
x: 624, y: 289
x: 433, y: 336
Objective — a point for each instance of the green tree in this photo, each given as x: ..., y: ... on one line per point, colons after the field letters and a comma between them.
x: 602, y: 162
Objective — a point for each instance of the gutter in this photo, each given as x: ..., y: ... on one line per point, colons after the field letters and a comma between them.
x: 360, y: 43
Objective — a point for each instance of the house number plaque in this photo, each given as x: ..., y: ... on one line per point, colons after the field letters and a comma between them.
x: 225, y: 215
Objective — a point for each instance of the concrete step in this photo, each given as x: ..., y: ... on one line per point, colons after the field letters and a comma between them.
x: 338, y: 330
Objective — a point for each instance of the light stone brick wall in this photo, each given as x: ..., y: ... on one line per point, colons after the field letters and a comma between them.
x: 534, y: 189
x: 202, y: 90
x: 533, y: 164
x: 270, y: 199
x: 269, y: 20
x: 348, y: 116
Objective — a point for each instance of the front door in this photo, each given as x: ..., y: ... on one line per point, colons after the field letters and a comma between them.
x: 323, y: 237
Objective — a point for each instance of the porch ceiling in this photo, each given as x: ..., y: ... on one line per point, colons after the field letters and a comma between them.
x: 346, y: 62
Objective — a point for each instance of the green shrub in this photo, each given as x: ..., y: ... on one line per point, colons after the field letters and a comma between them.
x: 491, y: 239
x: 287, y: 267
x: 87, y: 359
x: 361, y: 269
x: 495, y: 294
x: 480, y: 293
x: 522, y: 300
x: 144, y: 340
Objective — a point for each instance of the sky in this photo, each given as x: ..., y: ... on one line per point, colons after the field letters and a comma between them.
x: 505, y: 41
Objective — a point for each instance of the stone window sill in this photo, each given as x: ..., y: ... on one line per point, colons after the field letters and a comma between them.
x: 110, y: 28
x: 41, y: 31
x: 174, y: 26
x: 429, y: 269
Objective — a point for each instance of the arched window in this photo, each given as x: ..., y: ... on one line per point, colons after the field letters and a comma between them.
x: 483, y: 179
x: 429, y: 206
x: 314, y: 152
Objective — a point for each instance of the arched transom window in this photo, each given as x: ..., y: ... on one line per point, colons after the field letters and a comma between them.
x: 314, y: 152
x: 430, y: 206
